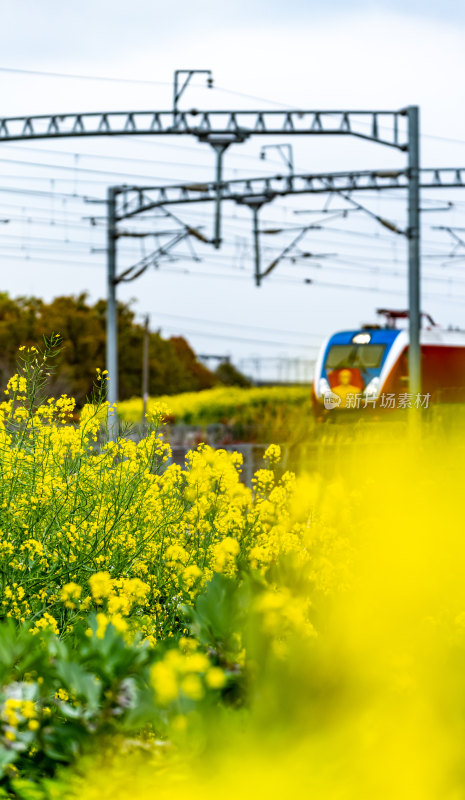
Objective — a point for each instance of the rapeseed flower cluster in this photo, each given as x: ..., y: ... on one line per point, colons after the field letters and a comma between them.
x: 185, y: 674
x: 115, y: 527
x: 17, y: 714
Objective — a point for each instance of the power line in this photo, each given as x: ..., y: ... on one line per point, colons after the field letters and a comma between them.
x: 222, y: 323
x: 74, y: 76
x: 215, y: 261
x: 26, y: 217
x: 76, y: 169
x: 455, y: 299
x: 142, y: 82
x: 446, y: 298
x: 138, y: 139
x: 27, y: 238
x: 45, y: 193
x: 247, y: 340
x: 25, y: 257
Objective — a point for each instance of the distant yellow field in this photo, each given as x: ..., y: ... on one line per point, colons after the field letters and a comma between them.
x: 221, y: 404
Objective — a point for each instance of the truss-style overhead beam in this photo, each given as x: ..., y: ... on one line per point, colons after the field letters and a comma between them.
x: 136, y: 200
x: 385, y: 127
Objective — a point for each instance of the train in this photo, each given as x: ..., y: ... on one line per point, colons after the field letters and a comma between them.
x: 367, y: 368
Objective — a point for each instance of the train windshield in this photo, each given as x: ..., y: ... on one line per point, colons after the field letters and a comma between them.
x: 359, y: 356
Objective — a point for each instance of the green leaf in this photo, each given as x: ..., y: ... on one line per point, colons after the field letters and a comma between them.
x: 79, y: 682
x: 7, y: 757
x: 27, y: 790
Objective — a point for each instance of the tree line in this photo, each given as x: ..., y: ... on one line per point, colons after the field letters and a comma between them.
x: 173, y: 365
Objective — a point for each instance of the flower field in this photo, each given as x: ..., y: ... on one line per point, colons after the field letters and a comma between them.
x: 220, y: 403
x: 261, y: 413
x: 168, y: 631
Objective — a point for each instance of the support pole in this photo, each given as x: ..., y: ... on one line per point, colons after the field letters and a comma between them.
x: 177, y: 92
x: 175, y: 97
x: 112, y: 331
x: 145, y: 369
x: 219, y: 149
x: 255, y: 204
x: 414, y: 249
x: 220, y: 144
x: 256, y: 239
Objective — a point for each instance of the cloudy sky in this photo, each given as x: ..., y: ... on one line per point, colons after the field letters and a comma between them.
x: 343, y: 54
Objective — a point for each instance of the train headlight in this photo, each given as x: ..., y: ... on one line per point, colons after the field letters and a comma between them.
x: 361, y: 338
x: 323, y: 387
x: 372, y: 388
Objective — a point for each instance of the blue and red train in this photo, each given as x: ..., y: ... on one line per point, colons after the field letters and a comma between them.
x: 368, y: 367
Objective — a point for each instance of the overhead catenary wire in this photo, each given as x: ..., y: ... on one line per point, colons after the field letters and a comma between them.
x: 244, y: 339
x: 446, y: 298
x: 35, y: 244
x: 240, y: 224
x: 222, y: 323
x: 80, y: 77
x: 117, y: 173
x: 68, y: 244
x: 75, y: 173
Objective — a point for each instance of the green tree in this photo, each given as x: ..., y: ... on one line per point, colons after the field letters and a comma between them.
x: 228, y: 374
x: 173, y: 366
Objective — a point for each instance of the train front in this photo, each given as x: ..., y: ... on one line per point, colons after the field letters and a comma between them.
x: 352, y: 367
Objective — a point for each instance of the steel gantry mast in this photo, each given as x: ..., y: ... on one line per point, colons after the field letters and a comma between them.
x: 255, y: 192
x: 413, y: 235
x: 396, y: 129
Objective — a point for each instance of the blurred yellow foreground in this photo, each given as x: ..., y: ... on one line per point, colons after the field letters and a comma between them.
x: 373, y: 705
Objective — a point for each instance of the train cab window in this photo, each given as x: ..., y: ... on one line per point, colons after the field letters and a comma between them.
x: 361, y: 356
